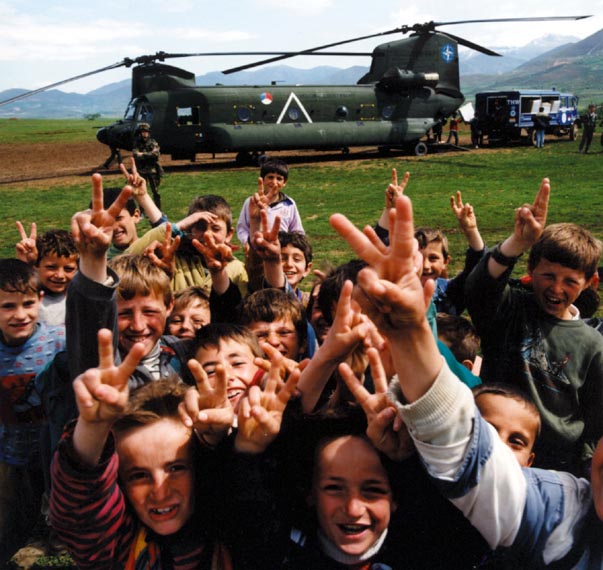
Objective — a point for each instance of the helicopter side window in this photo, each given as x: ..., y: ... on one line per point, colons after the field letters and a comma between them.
x: 388, y: 112
x: 187, y: 115
x: 130, y: 112
x: 244, y: 114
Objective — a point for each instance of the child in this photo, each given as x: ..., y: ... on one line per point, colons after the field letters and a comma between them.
x: 513, y: 415
x: 296, y: 258
x: 127, y: 476
x: 208, y: 215
x: 536, y: 340
x: 132, y: 297
x: 26, y: 347
x: 542, y: 516
x: 234, y: 348
x: 190, y: 313
x: 459, y: 335
x: 275, y: 317
x: 274, y: 174
x: 56, y: 262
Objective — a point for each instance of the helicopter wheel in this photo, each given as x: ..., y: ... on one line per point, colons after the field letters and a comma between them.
x: 245, y: 158
x: 420, y: 149
x: 383, y: 150
x: 345, y: 151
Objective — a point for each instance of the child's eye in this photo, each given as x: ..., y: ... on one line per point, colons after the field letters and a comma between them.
x: 376, y: 491
x: 332, y: 488
x: 178, y: 467
x: 137, y: 476
x: 177, y: 320
x: 285, y: 332
x: 210, y: 371
x: 261, y: 334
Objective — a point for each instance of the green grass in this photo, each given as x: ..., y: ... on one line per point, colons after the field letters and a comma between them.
x: 494, y: 182
x: 49, y: 130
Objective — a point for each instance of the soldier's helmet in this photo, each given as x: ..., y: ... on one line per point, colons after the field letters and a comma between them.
x: 143, y: 127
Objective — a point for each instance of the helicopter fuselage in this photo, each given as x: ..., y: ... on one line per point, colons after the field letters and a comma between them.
x: 190, y: 121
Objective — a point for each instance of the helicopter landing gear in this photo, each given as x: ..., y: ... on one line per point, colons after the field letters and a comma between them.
x: 345, y: 151
x: 420, y: 149
x: 246, y: 158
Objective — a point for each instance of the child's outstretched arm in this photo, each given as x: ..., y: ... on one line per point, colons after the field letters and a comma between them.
x: 390, y: 292
x: 101, y: 395
x: 140, y: 194
x: 92, y: 230
x: 266, y: 245
x: 392, y: 192
x: 530, y: 220
x: 467, y: 221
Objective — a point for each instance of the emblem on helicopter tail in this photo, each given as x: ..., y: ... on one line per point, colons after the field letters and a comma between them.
x: 448, y: 52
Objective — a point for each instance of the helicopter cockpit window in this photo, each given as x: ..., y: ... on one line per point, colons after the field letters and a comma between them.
x: 243, y: 114
x: 130, y: 111
x: 145, y: 114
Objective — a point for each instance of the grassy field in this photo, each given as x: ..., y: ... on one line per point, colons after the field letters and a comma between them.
x: 494, y: 181
x: 49, y: 130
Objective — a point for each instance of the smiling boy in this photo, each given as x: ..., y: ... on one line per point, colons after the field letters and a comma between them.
x: 536, y: 339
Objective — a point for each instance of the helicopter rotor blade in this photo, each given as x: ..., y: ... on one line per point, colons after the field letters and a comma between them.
x: 161, y: 56
x: 419, y: 28
x: 471, y: 45
x: 309, y: 51
x: 58, y: 83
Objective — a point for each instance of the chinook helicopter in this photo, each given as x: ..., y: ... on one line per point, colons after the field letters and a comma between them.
x: 412, y: 85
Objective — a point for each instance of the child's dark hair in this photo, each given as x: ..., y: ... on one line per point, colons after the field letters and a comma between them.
x: 210, y: 336
x: 16, y: 276
x: 184, y: 297
x: 151, y: 403
x: 459, y: 334
x: 569, y: 245
x: 426, y: 236
x: 214, y: 204
x: 271, y: 165
x: 330, y: 287
x: 508, y: 391
x: 270, y: 305
x: 57, y: 242
x: 111, y: 194
x: 298, y: 240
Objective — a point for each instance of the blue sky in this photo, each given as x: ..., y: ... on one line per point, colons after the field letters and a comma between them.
x: 42, y: 41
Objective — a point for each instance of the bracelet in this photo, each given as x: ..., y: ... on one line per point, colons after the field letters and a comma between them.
x: 500, y: 258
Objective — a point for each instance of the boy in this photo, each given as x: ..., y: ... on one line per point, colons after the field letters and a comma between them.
x: 26, y: 346
x: 536, y: 340
x: 541, y: 516
x: 191, y: 312
x: 296, y: 259
x: 513, y: 415
x: 459, y: 335
x: 55, y: 257
x: 208, y: 215
x: 234, y: 348
x: 132, y: 297
x: 274, y: 174
x: 275, y: 317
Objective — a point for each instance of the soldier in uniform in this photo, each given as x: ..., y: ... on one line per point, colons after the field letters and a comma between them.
x: 589, y: 122
x: 146, y: 156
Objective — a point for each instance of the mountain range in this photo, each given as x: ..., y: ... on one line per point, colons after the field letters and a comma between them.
x: 563, y: 62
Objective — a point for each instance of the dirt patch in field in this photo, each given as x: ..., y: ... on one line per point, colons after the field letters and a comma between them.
x: 53, y: 164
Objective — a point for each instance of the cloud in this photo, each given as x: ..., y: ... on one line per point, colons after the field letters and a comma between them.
x: 302, y: 8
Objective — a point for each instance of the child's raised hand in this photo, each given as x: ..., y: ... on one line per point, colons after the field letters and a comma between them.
x: 258, y: 201
x: 101, y: 393
x: 187, y: 223
x: 395, y: 190
x: 138, y: 183
x: 217, y: 256
x: 464, y: 212
x: 26, y: 249
x: 206, y: 408
x: 92, y: 229
x: 163, y: 254
x: 385, y: 428
x: 261, y: 410
x: 530, y: 219
x: 265, y: 242
x: 389, y: 291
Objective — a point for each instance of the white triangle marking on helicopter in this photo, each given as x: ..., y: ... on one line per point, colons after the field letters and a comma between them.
x: 293, y: 97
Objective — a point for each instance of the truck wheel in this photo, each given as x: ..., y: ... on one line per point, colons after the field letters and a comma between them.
x: 532, y: 136
x: 573, y: 132
x: 420, y: 149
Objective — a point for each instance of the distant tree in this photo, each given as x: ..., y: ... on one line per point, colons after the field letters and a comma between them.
x: 92, y: 116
